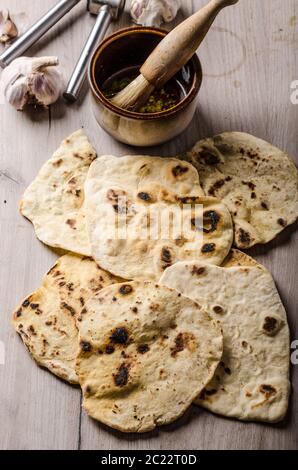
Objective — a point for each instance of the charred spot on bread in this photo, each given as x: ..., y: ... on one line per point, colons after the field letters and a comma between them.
x: 58, y: 162
x: 244, y: 237
x: 208, y: 248
x: 31, y: 330
x: 218, y: 309
x: 179, y: 170
x: 125, y: 289
x: 198, y: 270
x: 250, y: 184
x: 110, y: 349
x: 144, y: 196
x: 208, y: 157
x: 216, y: 186
x: 271, y: 326
x: 122, y: 375
x: 34, y: 306
x: 267, y: 390
x: 166, y: 257
x: 85, y: 346
x: 67, y: 307
x: 183, y: 341
x: 71, y: 223
x: 114, y: 195
x: 188, y: 199
x: 282, y: 222
x: 211, y: 219
x: 179, y: 345
x: 119, y: 335
x: 143, y: 348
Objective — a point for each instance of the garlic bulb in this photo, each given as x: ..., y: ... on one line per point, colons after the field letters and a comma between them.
x: 154, y: 12
x: 8, y: 29
x: 32, y: 80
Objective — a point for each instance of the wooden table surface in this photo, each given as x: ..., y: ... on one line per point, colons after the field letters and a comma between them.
x: 249, y: 61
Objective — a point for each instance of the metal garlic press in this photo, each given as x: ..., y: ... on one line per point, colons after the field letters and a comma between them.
x: 106, y: 11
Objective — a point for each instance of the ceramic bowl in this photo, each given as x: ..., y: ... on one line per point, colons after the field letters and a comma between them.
x: 129, y: 48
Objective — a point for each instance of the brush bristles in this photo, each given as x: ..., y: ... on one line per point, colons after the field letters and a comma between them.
x: 135, y: 93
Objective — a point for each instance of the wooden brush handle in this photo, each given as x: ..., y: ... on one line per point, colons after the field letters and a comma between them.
x: 177, y: 48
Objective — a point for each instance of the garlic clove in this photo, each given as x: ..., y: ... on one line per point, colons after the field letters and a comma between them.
x: 40, y: 63
x: 143, y: 13
x: 8, y: 29
x: 137, y: 7
x: 46, y: 87
x: 154, y: 12
x: 17, y: 94
x: 32, y: 80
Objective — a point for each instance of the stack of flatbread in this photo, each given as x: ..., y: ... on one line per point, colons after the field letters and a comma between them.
x: 149, y: 317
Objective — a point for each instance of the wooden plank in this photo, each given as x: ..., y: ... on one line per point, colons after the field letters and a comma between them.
x: 37, y: 411
x: 249, y: 61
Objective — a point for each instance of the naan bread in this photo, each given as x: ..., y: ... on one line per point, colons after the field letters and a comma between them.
x: 146, y: 352
x: 142, y: 190
x: 238, y: 258
x: 46, y: 320
x: 252, y: 380
x: 257, y: 181
x: 54, y: 201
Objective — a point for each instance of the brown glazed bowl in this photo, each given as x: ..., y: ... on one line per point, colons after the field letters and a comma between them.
x: 127, y: 48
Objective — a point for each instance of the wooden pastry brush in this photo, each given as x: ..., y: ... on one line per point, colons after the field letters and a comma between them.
x: 171, y: 54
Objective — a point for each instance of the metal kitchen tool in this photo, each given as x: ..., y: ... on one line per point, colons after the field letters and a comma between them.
x: 107, y: 11
x: 36, y: 31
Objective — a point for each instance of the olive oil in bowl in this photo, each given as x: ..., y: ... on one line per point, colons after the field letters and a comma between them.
x: 160, y: 100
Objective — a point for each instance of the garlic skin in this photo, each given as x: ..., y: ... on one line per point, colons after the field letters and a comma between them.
x: 8, y: 29
x: 32, y: 80
x: 154, y: 12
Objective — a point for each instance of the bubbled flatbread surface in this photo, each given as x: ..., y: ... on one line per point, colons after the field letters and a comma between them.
x: 151, y: 185
x: 54, y: 200
x: 46, y: 320
x: 257, y: 181
x: 146, y: 352
x: 252, y: 379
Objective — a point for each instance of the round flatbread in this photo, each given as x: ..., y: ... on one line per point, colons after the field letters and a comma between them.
x: 54, y: 201
x: 257, y: 181
x: 145, y: 353
x: 252, y: 379
x: 153, y: 199
x: 46, y: 320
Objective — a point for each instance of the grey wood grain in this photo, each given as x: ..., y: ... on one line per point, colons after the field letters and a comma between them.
x: 249, y: 61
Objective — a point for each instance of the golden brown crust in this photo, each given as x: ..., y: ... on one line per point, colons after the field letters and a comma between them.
x: 257, y: 181
x: 145, y: 353
x: 54, y: 200
x: 46, y: 320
